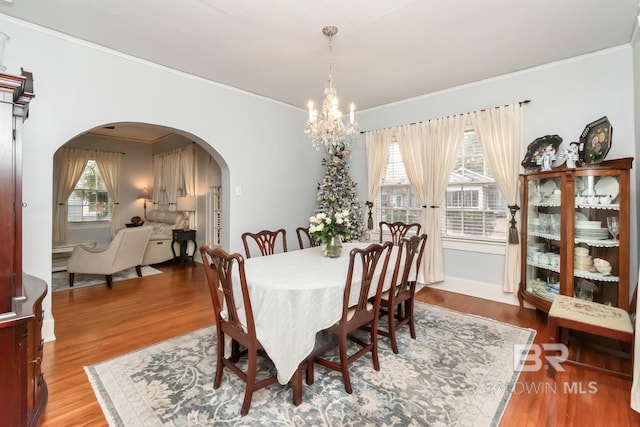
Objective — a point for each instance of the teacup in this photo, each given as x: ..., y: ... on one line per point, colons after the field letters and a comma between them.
x: 605, y: 200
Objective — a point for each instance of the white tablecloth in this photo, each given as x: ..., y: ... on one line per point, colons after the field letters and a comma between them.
x: 296, y: 294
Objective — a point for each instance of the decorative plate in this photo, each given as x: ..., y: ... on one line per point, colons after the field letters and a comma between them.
x: 595, y: 141
x: 607, y: 186
x: 537, y: 147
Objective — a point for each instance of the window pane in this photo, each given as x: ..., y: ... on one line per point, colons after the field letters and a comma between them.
x: 89, y: 201
x: 398, y: 202
x: 474, y: 207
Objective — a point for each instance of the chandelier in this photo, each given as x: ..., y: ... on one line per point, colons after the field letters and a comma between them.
x: 327, y: 129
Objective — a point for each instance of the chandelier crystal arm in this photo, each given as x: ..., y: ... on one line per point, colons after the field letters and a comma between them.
x: 327, y: 128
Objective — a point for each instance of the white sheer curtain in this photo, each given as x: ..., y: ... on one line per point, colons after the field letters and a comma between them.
x: 429, y: 151
x: 109, y: 167
x: 187, y: 159
x: 69, y: 164
x: 171, y: 176
x: 157, y: 181
x: 377, y: 145
x: 499, y: 132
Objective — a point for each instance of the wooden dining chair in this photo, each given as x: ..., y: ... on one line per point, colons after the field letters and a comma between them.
x: 305, y: 239
x: 398, y: 301
x: 398, y: 230
x: 233, y: 320
x: 363, y: 313
x: 577, y: 316
x: 266, y: 241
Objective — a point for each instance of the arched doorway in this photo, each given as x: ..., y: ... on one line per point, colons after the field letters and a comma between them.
x: 138, y: 143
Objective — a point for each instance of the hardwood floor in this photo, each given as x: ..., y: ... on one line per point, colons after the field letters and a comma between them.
x: 95, y: 324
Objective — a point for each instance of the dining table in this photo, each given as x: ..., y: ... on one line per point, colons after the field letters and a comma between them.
x: 296, y: 294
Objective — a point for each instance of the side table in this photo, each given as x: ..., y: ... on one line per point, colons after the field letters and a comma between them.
x: 183, y: 237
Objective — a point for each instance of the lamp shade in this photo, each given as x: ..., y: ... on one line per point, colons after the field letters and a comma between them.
x: 186, y: 204
x: 144, y: 193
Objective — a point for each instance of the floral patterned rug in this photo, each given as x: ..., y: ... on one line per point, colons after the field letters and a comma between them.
x: 458, y: 372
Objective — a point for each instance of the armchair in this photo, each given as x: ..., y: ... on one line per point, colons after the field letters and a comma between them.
x: 124, y: 251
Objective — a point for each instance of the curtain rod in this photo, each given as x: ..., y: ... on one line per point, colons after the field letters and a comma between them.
x: 102, y: 151
x: 526, y: 101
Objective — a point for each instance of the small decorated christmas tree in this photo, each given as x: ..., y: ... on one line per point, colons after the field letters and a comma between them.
x: 337, y: 192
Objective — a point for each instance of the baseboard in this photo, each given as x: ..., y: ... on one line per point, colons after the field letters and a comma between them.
x: 47, y: 330
x: 477, y: 289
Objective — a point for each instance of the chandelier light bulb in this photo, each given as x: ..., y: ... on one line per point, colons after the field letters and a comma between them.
x: 327, y: 129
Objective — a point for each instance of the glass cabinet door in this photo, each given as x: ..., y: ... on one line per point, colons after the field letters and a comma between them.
x: 543, y: 267
x: 596, y: 234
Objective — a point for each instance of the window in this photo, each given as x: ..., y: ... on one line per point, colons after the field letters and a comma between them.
x: 89, y: 201
x: 473, y: 207
x: 397, y: 200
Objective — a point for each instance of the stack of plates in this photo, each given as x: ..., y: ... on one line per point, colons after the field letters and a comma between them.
x: 591, y: 230
x: 599, y: 234
x: 585, y: 263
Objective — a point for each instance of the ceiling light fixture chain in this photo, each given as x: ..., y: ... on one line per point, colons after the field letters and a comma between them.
x: 327, y: 129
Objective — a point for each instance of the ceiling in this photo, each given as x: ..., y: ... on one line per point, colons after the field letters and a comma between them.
x: 385, y: 51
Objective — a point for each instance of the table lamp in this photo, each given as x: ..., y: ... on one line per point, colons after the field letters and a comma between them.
x: 144, y: 194
x: 186, y: 204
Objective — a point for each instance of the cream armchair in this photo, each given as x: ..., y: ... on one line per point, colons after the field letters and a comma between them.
x: 124, y: 251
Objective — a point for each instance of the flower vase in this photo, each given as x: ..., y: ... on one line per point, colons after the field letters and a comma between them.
x: 333, y: 248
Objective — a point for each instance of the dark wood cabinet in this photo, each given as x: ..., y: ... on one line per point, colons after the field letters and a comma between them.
x: 23, y: 391
x: 567, y: 246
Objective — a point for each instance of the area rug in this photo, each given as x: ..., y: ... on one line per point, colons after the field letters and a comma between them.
x: 460, y: 371
x: 60, y: 279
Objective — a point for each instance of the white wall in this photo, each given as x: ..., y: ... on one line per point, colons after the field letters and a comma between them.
x: 565, y: 96
x: 259, y: 144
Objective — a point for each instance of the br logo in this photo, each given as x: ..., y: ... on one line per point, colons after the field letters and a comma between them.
x: 531, y: 360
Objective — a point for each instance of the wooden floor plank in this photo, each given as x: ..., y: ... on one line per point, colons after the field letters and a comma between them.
x: 95, y: 324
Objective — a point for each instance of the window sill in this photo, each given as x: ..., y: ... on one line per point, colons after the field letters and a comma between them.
x: 486, y: 247
x: 88, y: 225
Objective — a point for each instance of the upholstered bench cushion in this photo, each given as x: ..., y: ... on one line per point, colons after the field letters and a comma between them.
x: 564, y: 307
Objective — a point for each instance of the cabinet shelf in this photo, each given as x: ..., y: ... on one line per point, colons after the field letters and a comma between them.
x: 615, y: 206
x: 554, y: 268
x: 544, y: 235
x: 549, y: 224
x: 592, y: 275
x: 607, y: 243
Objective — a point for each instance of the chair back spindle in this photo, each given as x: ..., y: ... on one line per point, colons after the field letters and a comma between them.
x: 398, y: 230
x: 266, y: 241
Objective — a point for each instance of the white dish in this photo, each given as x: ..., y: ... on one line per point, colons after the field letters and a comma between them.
x: 589, y: 225
x: 580, y: 217
x: 607, y: 186
x: 548, y: 187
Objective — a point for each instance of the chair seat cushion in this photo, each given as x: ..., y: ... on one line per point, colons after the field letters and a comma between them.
x: 564, y: 307
x: 352, y: 311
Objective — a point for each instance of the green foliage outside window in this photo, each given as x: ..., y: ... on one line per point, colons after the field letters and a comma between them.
x: 89, y: 201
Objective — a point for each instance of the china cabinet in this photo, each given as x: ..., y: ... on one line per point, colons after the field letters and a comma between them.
x: 575, y: 234
x: 23, y: 391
